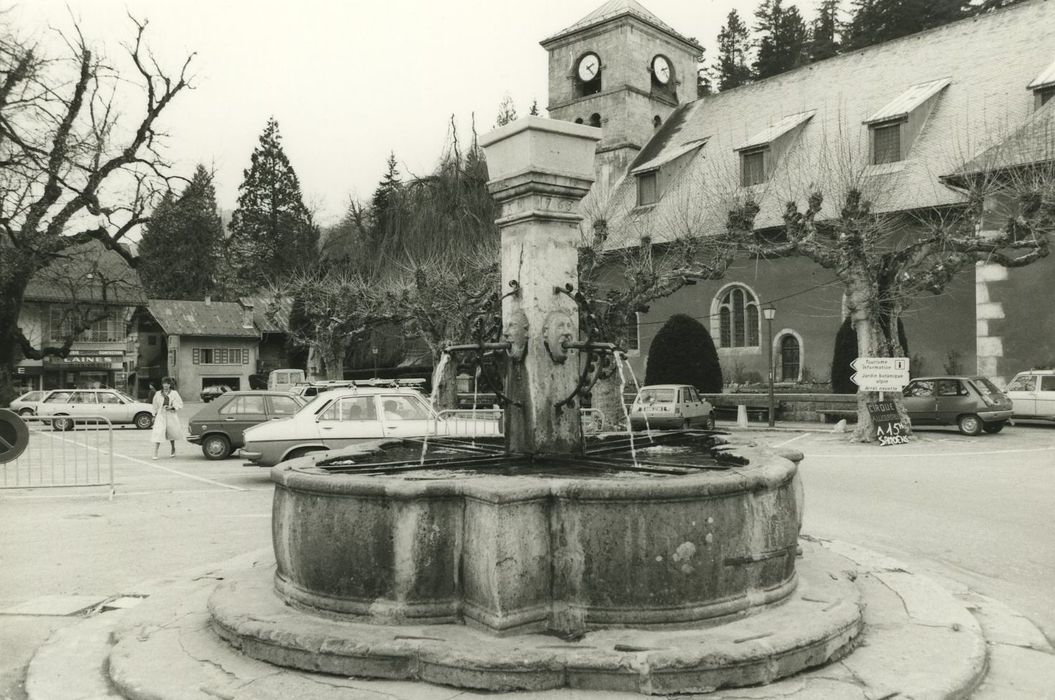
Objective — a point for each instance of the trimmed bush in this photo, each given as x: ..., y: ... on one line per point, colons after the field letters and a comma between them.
x: 683, y: 353
x: 846, y: 352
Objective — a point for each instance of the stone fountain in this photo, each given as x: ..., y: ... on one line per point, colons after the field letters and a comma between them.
x: 554, y: 561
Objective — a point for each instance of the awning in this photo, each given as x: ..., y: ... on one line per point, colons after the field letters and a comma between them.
x: 668, y: 156
x: 907, y: 102
x: 772, y: 133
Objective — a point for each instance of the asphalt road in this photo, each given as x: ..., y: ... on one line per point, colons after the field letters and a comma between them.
x: 973, y: 511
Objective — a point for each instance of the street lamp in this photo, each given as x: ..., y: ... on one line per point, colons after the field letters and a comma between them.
x: 769, y: 312
x: 373, y: 351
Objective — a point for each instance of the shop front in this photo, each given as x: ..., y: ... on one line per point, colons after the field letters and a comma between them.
x: 86, y: 369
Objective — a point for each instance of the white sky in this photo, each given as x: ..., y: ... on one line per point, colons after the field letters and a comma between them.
x: 349, y: 81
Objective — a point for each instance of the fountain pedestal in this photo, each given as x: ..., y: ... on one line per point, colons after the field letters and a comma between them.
x: 540, y: 169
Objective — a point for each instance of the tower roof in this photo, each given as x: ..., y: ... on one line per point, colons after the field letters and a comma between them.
x: 613, y: 9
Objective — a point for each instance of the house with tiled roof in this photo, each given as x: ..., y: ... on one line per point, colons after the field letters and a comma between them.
x: 198, y: 343
x: 897, y: 121
x: 89, y: 285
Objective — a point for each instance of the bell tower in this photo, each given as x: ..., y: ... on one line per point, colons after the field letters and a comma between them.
x: 623, y: 69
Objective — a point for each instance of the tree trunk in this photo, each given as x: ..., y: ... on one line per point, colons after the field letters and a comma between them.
x: 12, y: 290
x: 608, y: 399
x: 446, y: 389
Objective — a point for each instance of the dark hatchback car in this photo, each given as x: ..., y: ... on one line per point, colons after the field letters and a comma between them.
x: 211, y: 392
x: 972, y: 404
x: 218, y: 427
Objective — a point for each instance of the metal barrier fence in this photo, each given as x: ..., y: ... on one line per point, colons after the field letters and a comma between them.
x: 62, y: 455
x: 468, y: 422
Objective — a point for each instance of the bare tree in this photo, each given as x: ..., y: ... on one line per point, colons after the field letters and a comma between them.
x: 77, y: 165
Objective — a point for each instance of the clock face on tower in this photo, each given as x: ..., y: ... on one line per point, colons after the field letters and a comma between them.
x: 661, y: 69
x: 589, y: 67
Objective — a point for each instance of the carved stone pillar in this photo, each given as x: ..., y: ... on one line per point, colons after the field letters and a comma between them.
x: 540, y: 169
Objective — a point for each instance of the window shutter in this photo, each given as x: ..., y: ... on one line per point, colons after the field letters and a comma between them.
x: 245, y: 356
x: 196, y: 356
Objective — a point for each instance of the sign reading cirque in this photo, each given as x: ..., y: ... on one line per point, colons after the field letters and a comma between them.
x: 889, y: 428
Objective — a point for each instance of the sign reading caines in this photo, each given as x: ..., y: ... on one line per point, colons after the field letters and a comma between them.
x: 880, y: 373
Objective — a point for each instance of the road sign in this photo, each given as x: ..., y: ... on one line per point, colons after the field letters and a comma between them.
x: 880, y: 373
x: 14, y: 436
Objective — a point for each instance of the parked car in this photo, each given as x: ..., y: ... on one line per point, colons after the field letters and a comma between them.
x: 116, y: 406
x: 1033, y: 394
x: 342, y: 417
x: 211, y: 392
x: 26, y: 404
x: 219, y: 426
x: 973, y: 404
x: 663, y: 406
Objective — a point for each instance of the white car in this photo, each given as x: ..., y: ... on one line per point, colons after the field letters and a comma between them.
x: 1032, y: 394
x: 26, y: 404
x: 667, y: 406
x: 117, y: 407
x: 342, y: 417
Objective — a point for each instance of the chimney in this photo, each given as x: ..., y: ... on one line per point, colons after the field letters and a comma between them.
x: 247, y: 315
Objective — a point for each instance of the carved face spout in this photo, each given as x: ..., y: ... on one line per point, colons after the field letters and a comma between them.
x: 557, y: 332
x: 516, y: 334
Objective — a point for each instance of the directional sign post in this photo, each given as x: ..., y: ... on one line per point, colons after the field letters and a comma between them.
x: 880, y: 373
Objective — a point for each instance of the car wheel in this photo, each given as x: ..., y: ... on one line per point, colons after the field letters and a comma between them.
x: 708, y: 423
x: 686, y: 424
x: 300, y: 452
x: 994, y: 427
x: 144, y: 421
x: 216, y: 447
x: 61, y: 423
x: 970, y: 424
x: 25, y: 412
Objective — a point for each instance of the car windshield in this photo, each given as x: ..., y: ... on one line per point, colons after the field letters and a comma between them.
x: 31, y: 396
x: 125, y: 396
x: 986, y: 387
x: 656, y: 396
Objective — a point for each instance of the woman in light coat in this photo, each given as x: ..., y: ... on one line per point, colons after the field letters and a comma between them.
x: 166, y: 421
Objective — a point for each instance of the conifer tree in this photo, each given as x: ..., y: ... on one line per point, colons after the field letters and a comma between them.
x: 783, y: 42
x: 684, y: 353
x: 385, y: 206
x: 507, y: 112
x: 181, y: 243
x: 733, y: 46
x: 272, y: 232
x: 824, y: 41
x: 875, y: 21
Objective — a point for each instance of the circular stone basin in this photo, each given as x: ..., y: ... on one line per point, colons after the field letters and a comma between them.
x: 510, y: 546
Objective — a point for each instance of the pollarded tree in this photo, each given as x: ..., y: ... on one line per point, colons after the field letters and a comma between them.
x: 272, y: 232
x: 845, y: 352
x: 684, y: 353
x: 882, y: 271
x: 181, y: 243
x: 75, y: 169
x: 734, y: 45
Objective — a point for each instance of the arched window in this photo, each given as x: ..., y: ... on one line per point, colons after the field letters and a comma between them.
x: 738, y: 318
x: 656, y: 122
x: 790, y: 358
x: 595, y: 119
x: 578, y: 120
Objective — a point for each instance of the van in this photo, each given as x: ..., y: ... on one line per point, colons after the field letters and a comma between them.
x: 284, y: 379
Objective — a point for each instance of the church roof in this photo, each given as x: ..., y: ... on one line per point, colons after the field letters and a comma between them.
x: 1032, y: 143
x: 620, y: 8
x: 972, y: 76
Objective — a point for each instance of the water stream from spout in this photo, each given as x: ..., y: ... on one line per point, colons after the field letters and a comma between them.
x: 637, y: 390
x: 437, y: 377
x: 626, y: 413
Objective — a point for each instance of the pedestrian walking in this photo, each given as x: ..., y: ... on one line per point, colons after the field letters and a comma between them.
x: 166, y: 421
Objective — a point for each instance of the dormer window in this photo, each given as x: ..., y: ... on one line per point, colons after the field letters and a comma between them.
x: 760, y: 153
x: 656, y: 173
x: 753, y: 167
x: 647, y: 188
x: 1043, y: 86
x: 895, y: 126
x: 886, y: 143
